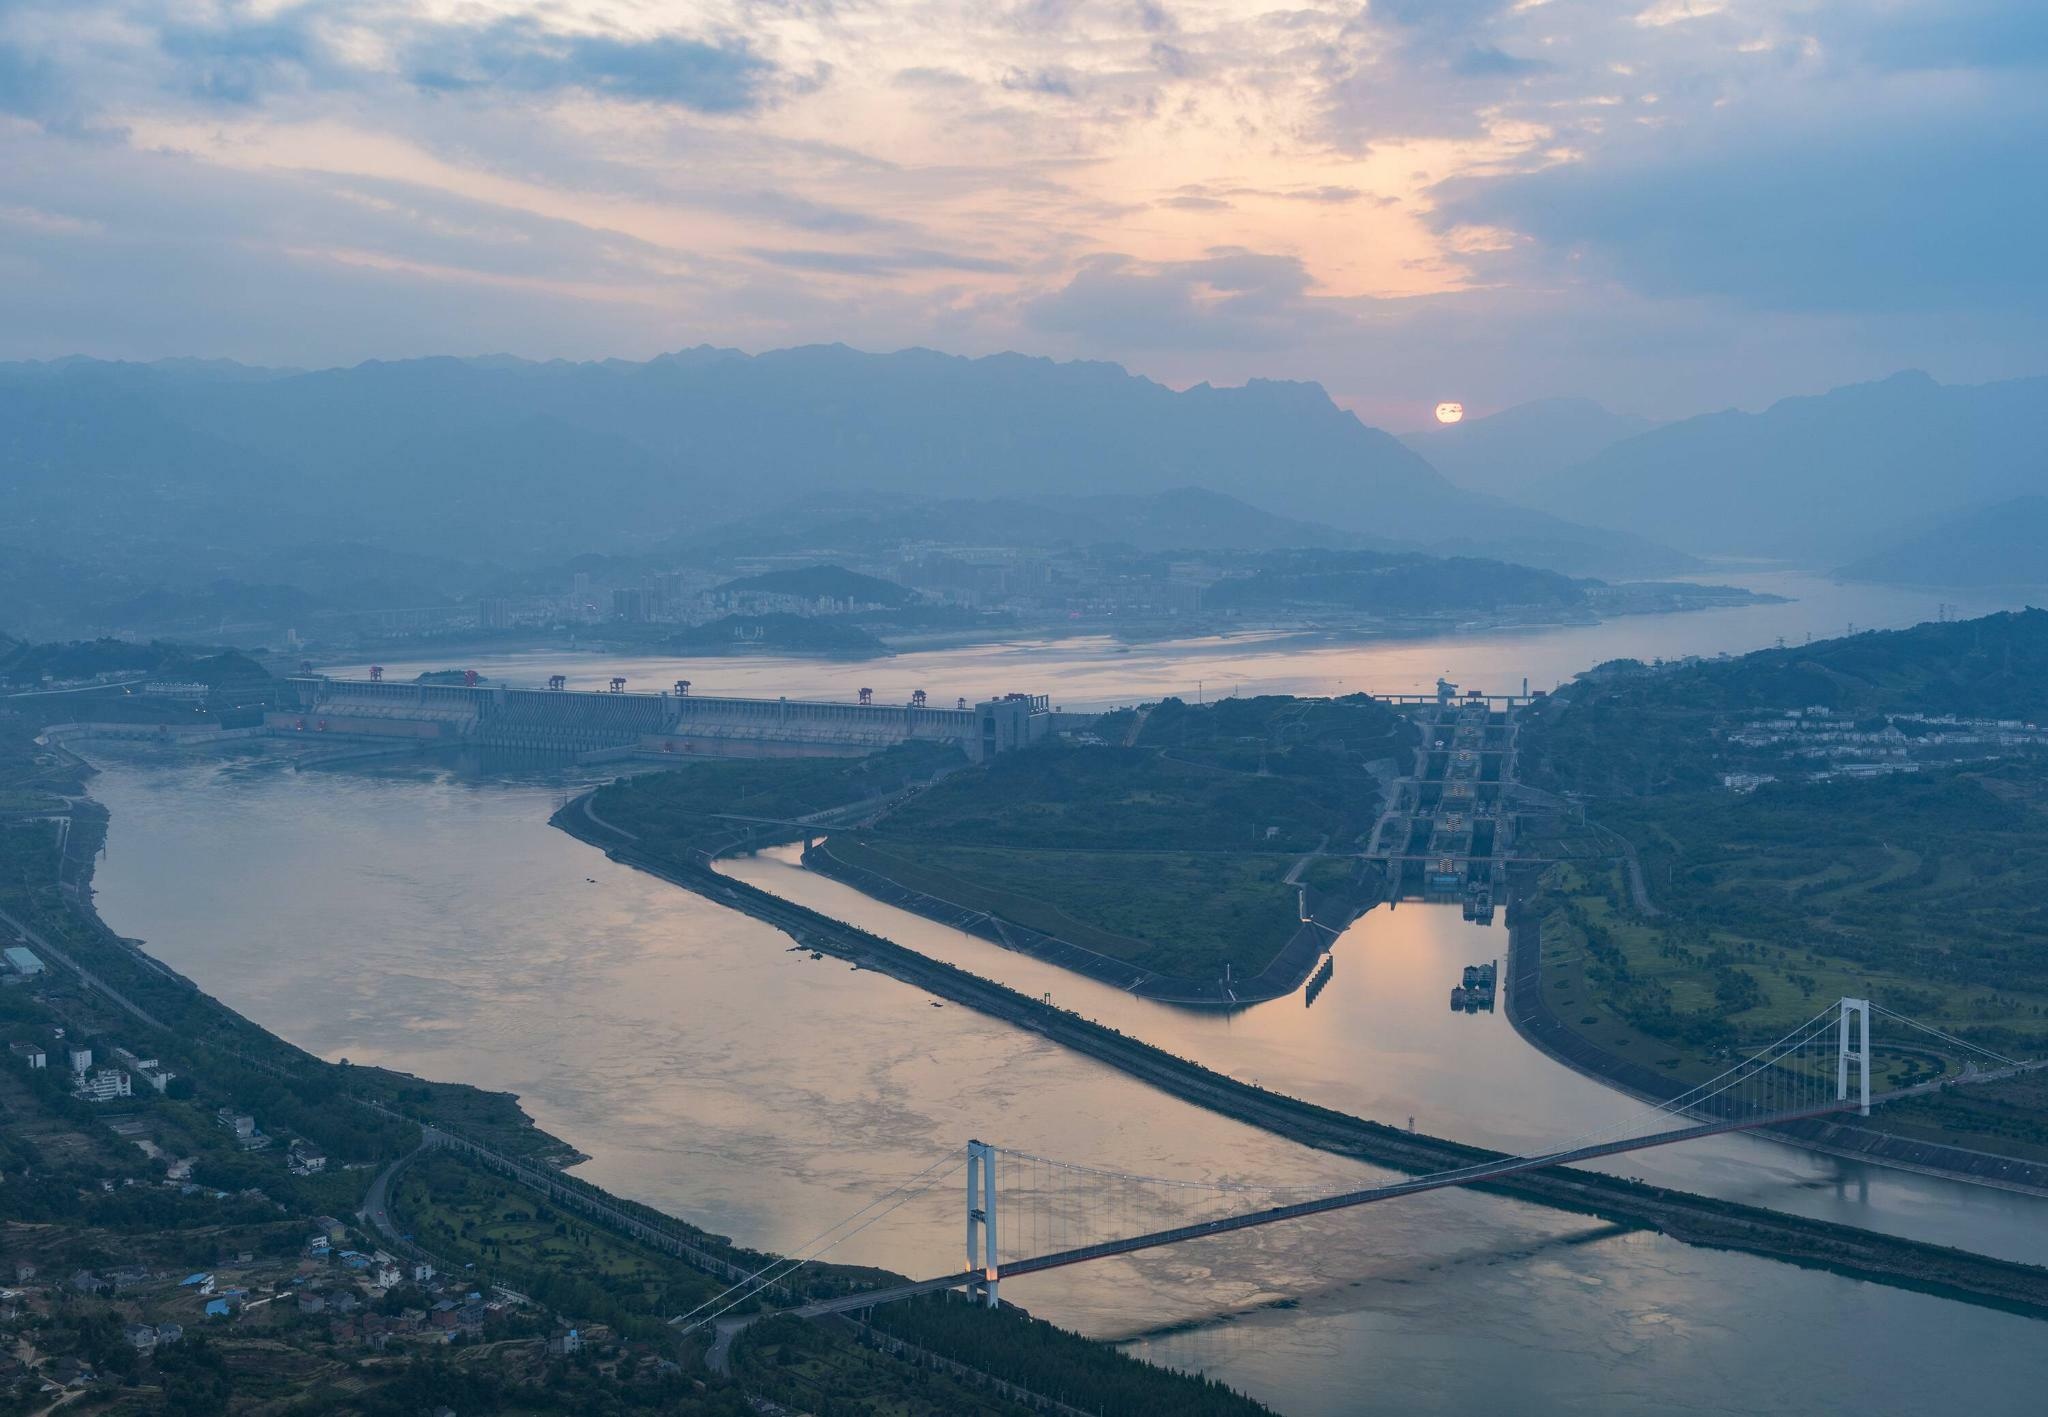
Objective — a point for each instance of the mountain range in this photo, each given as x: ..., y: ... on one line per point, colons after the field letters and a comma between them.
x: 1507, y: 453
x: 508, y: 460
x: 1819, y: 479
x: 2003, y: 544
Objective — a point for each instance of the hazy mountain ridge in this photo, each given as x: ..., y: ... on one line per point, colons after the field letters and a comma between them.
x: 1820, y: 478
x: 2004, y: 544
x: 1508, y: 452
x: 500, y: 457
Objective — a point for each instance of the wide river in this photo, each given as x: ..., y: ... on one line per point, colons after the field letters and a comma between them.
x: 430, y: 920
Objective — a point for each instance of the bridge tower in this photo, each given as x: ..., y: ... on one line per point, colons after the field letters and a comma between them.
x: 1857, y: 1052
x: 981, y: 1217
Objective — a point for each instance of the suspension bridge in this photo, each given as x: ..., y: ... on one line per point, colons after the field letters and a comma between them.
x: 1027, y: 1214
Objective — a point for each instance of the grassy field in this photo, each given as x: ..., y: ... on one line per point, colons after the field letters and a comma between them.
x: 702, y: 805
x: 1169, y: 851
x: 1683, y: 996
x: 1177, y: 912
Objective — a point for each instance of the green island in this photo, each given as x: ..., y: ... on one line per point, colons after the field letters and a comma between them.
x: 1172, y: 842
x: 1858, y: 817
x: 724, y: 804
x: 1170, y: 839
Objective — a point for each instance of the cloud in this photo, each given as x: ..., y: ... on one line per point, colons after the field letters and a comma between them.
x: 722, y: 76
x: 877, y: 263
x: 1476, y: 194
x: 1485, y: 61
x: 1230, y: 299
x: 28, y: 84
x: 242, y: 59
x: 1922, y: 208
x: 1058, y: 83
x: 1942, y: 34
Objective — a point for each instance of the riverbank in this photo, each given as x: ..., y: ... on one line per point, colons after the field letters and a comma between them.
x: 1329, y: 915
x: 1542, y: 1029
x: 1691, y: 1218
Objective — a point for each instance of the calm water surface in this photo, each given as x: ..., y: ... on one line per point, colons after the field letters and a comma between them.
x: 1096, y: 671
x: 435, y: 923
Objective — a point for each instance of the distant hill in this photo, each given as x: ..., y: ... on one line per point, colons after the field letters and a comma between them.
x: 1380, y: 584
x: 1626, y: 730
x: 1507, y: 452
x: 502, y: 459
x: 1179, y: 519
x: 830, y: 636
x: 825, y: 583
x: 2004, y: 544
x: 1822, y: 479
x: 1993, y: 666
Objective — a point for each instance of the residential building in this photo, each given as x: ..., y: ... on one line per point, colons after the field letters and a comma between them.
x: 30, y: 1055
x: 105, y: 1085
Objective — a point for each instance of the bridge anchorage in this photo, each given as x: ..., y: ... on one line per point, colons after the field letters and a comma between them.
x: 1059, y: 1213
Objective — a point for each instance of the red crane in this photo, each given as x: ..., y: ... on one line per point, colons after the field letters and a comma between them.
x: 682, y: 688
x: 618, y: 684
x: 376, y: 674
x: 917, y: 698
x: 867, y: 696
x: 557, y: 681
x: 469, y: 677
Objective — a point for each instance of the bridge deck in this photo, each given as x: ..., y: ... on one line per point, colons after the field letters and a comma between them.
x: 1467, y: 1176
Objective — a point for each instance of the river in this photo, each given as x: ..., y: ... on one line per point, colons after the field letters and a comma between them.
x: 432, y: 921
x: 1096, y: 671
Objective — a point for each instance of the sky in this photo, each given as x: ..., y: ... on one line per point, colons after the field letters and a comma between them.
x: 1667, y: 205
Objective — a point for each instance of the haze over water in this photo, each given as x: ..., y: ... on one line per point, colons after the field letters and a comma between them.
x: 435, y: 923
x: 1096, y: 671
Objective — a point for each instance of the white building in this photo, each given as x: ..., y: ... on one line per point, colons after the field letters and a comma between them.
x: 106, y: 1085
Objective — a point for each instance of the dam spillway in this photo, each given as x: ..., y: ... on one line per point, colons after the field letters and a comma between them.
x: 584, y: 723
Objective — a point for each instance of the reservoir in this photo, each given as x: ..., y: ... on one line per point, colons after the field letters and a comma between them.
x: 432, y: 921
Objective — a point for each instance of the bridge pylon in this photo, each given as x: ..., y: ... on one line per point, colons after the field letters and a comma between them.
x: 1856, y: 1011
x: 981, y: 1217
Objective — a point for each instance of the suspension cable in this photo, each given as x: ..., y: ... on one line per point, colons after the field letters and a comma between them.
x: 811, y: 1259
x: 1945, y: 1037
x: 780, y: 1261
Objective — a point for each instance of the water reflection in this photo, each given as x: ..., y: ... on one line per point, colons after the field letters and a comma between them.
x: 1094, y: 671
x: 438, y: 925
x: 1380, y: 1042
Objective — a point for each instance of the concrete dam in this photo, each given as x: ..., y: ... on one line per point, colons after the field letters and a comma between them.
x: 599, y: 725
